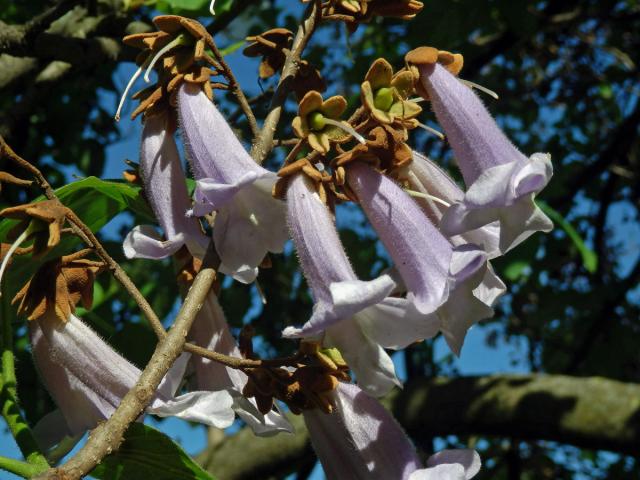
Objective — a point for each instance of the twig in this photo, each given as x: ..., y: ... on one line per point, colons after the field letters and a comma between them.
x: 88, y: 237
x: 263, y: 143
x: 235, y: 88
x: 252, y: 101
x: 108, y: 436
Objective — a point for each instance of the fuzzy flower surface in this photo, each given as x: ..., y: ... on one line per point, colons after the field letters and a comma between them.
x: 361, y: 440
x: 249, y: 222
x: 501, y: 182
x: 211, y: 330
x: 438, y: 277
x: 88, y: 379
x: 166, y: 191
x: 427, y: 178
x: 358, y: 317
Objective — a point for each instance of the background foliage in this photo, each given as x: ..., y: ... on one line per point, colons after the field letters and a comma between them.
x: 568, y: 76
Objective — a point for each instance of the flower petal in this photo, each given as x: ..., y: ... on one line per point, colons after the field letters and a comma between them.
x: 208, y: 408
x: 374, y: 369
x: 361, y: 440
x: 468, y: 458
x: 211, y: 195
x: 143, y: 241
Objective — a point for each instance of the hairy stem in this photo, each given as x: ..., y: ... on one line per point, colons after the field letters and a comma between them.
x: 263, y: 143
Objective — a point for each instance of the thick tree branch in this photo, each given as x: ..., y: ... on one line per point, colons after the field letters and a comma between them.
x: 593, y: 412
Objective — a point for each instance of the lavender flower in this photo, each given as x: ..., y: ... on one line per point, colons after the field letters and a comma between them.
x: 361, y: 440
x: 429, y: 180
x: 439, y: 278
x: 249, y: 221
x: 166, y: 191
x: 355, y: 314
x: 88, y: 379
x: 210, y: 329
x: 501, y: 181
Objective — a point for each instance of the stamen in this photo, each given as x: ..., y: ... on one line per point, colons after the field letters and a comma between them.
x: 14, y: 246
x: 211, y: 5
x: 347, y: 128
x: 181, y: 39
x: 132, y: 80
x: 413, y: 193
x: 431, y: 130
x: 471, y: 84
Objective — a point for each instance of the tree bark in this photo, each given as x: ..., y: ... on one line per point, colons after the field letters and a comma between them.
x: 592, y: 412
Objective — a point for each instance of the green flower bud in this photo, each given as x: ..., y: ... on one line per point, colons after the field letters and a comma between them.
x: 383, y: 99
x: 316, y: 121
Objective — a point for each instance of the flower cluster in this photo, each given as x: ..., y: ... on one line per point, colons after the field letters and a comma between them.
x: 441, y: 238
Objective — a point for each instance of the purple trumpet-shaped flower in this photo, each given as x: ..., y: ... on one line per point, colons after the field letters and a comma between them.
x: 249, y: 221
x: 501, y: 182
x: 166, y: 191
x: 210, y: 329
x: 356, y: 316
x: 439, y: 277
x: 88, y: 379
x: 361, y: 440
x: 427, y: 178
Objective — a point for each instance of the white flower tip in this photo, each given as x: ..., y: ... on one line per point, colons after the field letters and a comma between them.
x: 433, y: 131
x: 130, y: 83
x: 211, y: 5
x: 471, y: 84
x: 292, y: 332
x: 347, y: 128
x: 14, y: 246
x: 413, y: 193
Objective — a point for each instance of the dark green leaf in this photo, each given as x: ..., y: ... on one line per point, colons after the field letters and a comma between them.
x: 589, y: 257
x: 149, y: 453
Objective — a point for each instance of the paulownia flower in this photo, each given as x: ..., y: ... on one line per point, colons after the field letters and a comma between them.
x: 249, y: 221
x: 319, y: 122
x: 501, y: 182
x: 355, y: 315
x: 88, y: 380
x: 98, y: 376
x: 210, y: 330
x: 439, y: 278
x: 166, y: 191
x: 439, y: 192
x: 361, y: 440
x: 385, y: 95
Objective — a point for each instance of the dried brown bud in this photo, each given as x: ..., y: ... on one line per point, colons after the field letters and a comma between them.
x: 56, y: 288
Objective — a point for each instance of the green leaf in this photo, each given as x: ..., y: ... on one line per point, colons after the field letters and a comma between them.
x: 514, y: 270
x: 193, y: 8
x: 589, y: 257
x: 149, y: 453
x: 96, y: 202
